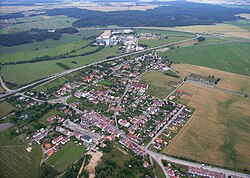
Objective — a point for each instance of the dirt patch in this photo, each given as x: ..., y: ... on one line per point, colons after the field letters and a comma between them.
x: 96, y: 156
x: 229, y: 81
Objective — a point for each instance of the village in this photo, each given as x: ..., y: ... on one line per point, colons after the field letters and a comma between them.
x: 109, y: 101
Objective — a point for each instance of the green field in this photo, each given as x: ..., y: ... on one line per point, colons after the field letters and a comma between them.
x: 65, y: 44
x: 44, y: 118
x: 66, y: 156
x: 157, y: 42
x: 40, y: 22
x: 5, y: 108
x: 230, y: 57
x: 15, y: 161
x: 169, y: 33
x: 161, y: 85
x: 55, y: 83
x: 26, y: 73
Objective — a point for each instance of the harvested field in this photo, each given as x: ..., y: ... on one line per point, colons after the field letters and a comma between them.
x: 218, y: 132
x: 229, y: 81
x: 14, y: 9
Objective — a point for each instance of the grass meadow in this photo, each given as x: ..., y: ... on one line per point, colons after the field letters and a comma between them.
x: 161, y: 87
x: 66, y: 156
x: 230, y: 57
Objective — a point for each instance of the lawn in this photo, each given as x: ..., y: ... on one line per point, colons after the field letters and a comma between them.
x: 26, y: 73
x: 230, y: 57
x: 161, y: 85
x: 15, y: 161
x: 218, y: 132
x: 66, y: 156
x: 5, y: 108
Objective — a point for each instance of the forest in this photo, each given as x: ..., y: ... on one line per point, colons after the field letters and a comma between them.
x: 175, y: 14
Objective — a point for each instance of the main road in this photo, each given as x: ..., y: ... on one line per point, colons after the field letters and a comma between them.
x: 159, y: 157
x: 60, y: 74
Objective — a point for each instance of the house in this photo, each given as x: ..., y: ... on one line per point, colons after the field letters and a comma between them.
x: 50, y: 152
x: 87, y: 139
x: 124, y: 123
x: 57, y: 139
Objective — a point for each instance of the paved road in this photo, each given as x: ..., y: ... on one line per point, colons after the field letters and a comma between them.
x: 158, y: 157
x: 60, y: 74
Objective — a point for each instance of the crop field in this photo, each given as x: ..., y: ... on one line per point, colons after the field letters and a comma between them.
x: 26, y: 73
x: 222, y: 28
x: 229, y: 81
x: 230, y: 57
x: 158, y: 42
x: 161, y: 87
x: 218, y: 132
x: 169, y: 33
x: 15, y: 161
x: 5, y: 108
x: 40, y: 22
x: 49, y: 47
x: 66, y: 156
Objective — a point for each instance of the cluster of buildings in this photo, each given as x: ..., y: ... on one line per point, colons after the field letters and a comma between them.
x: 126, y: 40
x: 207, y: 81
x: 204, y: 173
x: 173, y: 127
x: 151, y: 36
x: 135, y: 148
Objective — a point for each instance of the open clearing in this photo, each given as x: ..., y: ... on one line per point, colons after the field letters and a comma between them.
x: 229, y: 81
x: 15, y: 161
x: 66, y: 156
x: 218, y: 132
x: 230, y: 57
x: 5, y: 108
x: 161, y: 87
x: 96, y: 157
